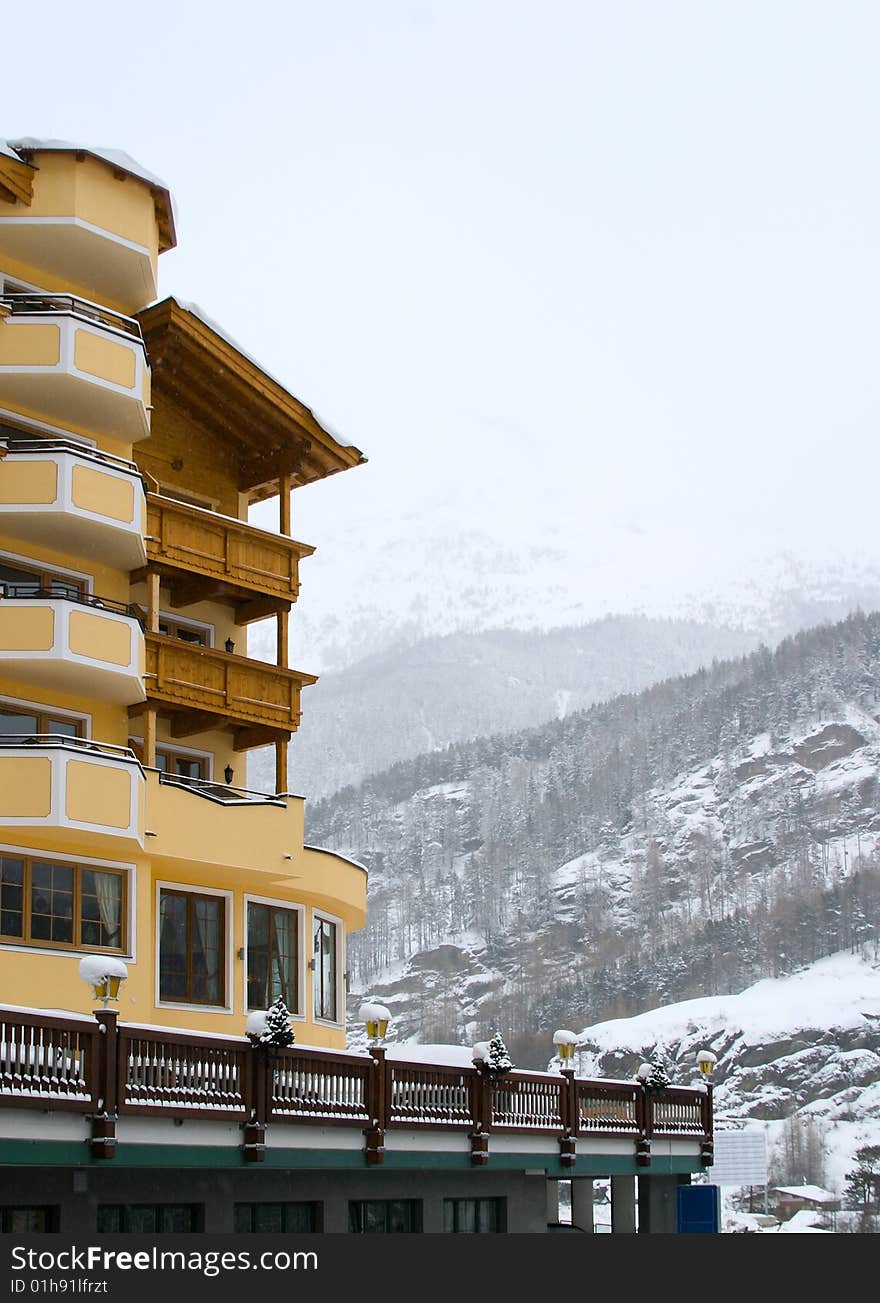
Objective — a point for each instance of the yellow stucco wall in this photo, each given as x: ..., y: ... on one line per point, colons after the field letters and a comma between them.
x: 92, y: 489
x: 26, y: 628
x: 101, y: 638
x: 98, y: 794
x: 25, y: 787
x: 107, y: 359
x: 29, y: 483
x: 29, y: 344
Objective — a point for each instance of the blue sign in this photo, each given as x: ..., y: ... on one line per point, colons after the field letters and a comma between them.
x: 699, y: 1209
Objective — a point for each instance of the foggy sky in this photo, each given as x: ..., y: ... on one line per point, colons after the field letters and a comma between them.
x: 617, y: 260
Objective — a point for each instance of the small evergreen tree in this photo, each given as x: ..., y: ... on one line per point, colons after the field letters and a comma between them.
x: 658, y: 1077
x: 278, y: 1030
x: 499, y: 1060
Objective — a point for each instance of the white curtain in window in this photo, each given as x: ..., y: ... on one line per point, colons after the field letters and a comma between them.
x: 108, y: 889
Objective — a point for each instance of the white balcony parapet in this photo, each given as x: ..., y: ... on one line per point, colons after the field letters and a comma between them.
x: 76, y: 498
x: 72, y: 643
x: 72, y: 784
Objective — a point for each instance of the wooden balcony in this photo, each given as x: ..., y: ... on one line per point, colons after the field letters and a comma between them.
x: 67, y: 1065
x: 206, y: 557
x: 202, y: 688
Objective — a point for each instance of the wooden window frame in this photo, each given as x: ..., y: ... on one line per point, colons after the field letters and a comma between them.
x: 173, y: 623
x: 172, y: 754
x: 77, y: 945
x: 45, y: 576
x: 299, y: 1013
x: 44, y: 714
x: 190, y: 894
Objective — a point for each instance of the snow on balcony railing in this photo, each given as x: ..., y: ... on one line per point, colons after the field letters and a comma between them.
x: 45, y: 1059
x: 422, y: 1094
x: 181, y: 1072
x: 527, y: 1101
x: 309, y: 1086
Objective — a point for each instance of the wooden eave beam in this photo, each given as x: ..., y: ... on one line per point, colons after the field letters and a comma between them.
x: 267, y: 468
x: 187, y: 722
x: 211, y: 353
x: 259, y: 608
x: 258, y: 735
x: 16, y: 181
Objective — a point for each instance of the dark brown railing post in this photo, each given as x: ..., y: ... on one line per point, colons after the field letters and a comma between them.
x: 707, y: 1144
x: 481, y: 1112
x: 257, y: 1094
x: 568, y: 1109
x: 645, y: 1120
x: 377, y: 1107
x: 106, y: 1069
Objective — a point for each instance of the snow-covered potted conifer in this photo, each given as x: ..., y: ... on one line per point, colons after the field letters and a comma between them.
x: 498, y: 1061
x: 653, y: 1075
x: 277, y: 1030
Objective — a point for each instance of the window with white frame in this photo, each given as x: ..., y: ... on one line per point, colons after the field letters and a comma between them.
x: 325, y: 974
x: 273, y: 950
x: 192, y: 947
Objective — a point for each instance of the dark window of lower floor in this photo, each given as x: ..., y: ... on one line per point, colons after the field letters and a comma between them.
x: 474, y: 1215
x: 35, y: 1218
x: 388, y: 1215
x: 268, y: 1217
x: 147, y: 1218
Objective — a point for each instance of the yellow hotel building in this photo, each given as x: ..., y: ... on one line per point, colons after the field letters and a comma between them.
x: 133, y: 440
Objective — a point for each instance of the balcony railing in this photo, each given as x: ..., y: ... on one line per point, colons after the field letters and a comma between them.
x: 233, y: 560
x: 65, y: 743
x: 32, y: 592
x: 234, y: 690
x: 12, y: 444
x: 223, y: 793
x: 36, y: 305
x: 58, y: 1064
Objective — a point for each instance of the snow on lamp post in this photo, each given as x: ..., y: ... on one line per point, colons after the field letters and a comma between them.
x: 104, y: 975
x: 566, y: 1044
x: 706, y: 1061
x: 375, y: 1018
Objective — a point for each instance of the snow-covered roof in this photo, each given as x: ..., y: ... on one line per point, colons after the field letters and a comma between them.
x: 814, y: 1193
x: 115, y: 157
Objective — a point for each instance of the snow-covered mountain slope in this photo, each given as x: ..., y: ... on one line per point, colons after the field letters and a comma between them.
x: 407, y: 700
x: 713, y: 830
x: 807, y: 1044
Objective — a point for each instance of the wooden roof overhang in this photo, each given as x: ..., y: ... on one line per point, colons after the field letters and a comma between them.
x: 270, y: 432
x: 16, y: 180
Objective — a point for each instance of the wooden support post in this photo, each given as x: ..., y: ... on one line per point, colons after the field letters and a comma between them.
x: 568, y: 1141
x: 282, y: 639
x: 481, y: 1112
x: 281, y: 766
x: 150, y: 737
x: 152, y: 601
x: 374, y: 1150
x: 644, y: 1118
x: 284, y: 505
x: 258, y: 1102
x: 103, y: 1137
